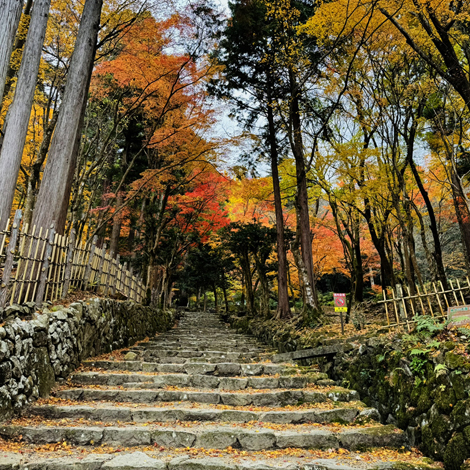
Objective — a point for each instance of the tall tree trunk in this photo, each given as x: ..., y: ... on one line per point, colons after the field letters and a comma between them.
x: 283, y: 309
x: 17, y: 120
x: 437, y: 253
x: 301, y: 203
x: 35, y: 175
x: 60, y: 166
x: 358, y: 270
x: 10, y: 14
x: 462, y: 212
x: 18, y: 48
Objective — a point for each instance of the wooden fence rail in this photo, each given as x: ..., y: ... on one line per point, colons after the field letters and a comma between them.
x: 38, y: 264
x: 402, y: 306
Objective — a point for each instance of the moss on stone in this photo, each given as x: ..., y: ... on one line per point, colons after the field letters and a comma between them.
x: 457, y: 450
x: 441, y: 427
x: 444, y: 398
x: 456, y: 361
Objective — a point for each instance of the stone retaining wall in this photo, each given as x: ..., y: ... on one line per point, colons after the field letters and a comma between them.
x: 45, y: 347
x: 423, y: 388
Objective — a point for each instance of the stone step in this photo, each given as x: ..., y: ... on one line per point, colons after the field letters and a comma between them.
x: 193, y: 380
x: 168, y: 356
x: 210, y: 437
x: 271, y: 398
x: 230, y: 369
x: 138, y: 460
x: 182, y: 347
x: 180, y: 413
x: 200, y: 340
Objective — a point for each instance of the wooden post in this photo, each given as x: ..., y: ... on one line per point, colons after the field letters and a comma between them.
x: 399, y: 289
x: 4, y: 233
x: 115, y: 285
x: 15, y: 229
x: 100, y: 267
x: 90, y: 261
x: 68, y: 264
x: 438, y: 299
x: 25, y: 271
x: 460, y: 290
x: 109, y: 272
x: 19, y: 267
x: 385, y: 304
x: 444, y: 295
x: 124, y: 281
x: 34, y: 276
x: 50, y: 276
x: 45, y: 267
x: 81, y: 265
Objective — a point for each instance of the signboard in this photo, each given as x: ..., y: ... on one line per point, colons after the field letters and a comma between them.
x: 459, y: 316
x: 340, y: 303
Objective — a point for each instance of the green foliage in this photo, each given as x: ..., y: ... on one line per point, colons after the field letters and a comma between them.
x: 428, y: 325
x: 418, y: 362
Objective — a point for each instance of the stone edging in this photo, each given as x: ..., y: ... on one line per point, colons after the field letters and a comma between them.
x: 35, y: 353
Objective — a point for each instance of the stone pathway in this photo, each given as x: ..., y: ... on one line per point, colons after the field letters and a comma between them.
x: 200, y: 397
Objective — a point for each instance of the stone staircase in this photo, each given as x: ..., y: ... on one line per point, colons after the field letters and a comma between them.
x: 200, y: 397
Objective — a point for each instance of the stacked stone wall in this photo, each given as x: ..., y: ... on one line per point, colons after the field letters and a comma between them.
x: 422, y: 388
x: 44, y: 347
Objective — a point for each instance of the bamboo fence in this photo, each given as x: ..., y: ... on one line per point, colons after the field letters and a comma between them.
x: 38, y: 264
x: 402, y: 306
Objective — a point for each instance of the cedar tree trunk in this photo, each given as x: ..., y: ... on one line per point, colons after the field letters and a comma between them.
x: 17, y: 120
x: 60, y: 166
x: 10, y: 14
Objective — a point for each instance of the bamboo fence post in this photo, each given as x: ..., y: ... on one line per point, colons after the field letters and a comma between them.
x: 460, y: 291
x: 131, y: 284
x: 100, y: 267
x: 21, y: 242
x: 124, y: 281
x: 4, y: 233
x: 69, y: 264
x: 453, y: 292
x: 50, y: 276
x: 421, y: 300
x: 386, y: 308
x: 15, y: 228
x: 109, y: 267
x: 141, y: 290
x: 138, y: 285
x: 35, y: 270
x: 116, y: 275
x: 63, y: 264
x: 428, y: 295
x: 438, y: 299
x: 444, y: 295
x: 90, y: 261
x: 44, y: 270
x: 411, y: 302
x: 57, y: 268
x: 25, y: 271
x: 395, y: 307
x: 82, y: 265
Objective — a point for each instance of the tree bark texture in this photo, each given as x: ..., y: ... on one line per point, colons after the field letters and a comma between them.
x: 60, y: 166
x: 34, y: 179
x: 17, y: 119
x: 10, y: 14
x: 18, y: 45
x: 302, y: 194
x: 283, y: 310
